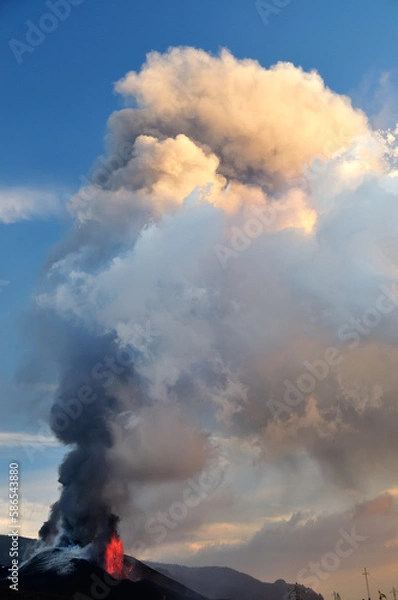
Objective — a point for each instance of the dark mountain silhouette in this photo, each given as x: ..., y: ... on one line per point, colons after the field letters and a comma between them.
x: 46, y: 577
x: 223, y: 582
x: 55, y: 573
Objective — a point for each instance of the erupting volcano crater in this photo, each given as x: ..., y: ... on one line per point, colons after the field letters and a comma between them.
x: 74, y: 574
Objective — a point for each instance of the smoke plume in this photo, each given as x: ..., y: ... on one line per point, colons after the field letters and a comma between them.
x: 232, y: 272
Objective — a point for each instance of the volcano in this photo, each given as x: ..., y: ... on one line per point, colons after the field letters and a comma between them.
x: 64, y: 574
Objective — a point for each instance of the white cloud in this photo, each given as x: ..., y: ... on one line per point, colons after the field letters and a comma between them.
x: 21, y: 204
x: 15, y: 439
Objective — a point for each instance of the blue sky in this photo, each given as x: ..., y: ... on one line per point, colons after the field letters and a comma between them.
x: 54, y: 108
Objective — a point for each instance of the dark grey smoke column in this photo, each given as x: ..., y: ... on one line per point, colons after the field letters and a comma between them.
x: 83, y: 514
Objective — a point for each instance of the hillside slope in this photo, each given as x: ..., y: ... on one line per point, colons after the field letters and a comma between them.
x: 223, y: 582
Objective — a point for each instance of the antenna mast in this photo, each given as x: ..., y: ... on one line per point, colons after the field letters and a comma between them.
x: 366, y: 573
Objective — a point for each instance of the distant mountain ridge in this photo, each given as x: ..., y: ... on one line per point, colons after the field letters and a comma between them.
x: 224, y: 582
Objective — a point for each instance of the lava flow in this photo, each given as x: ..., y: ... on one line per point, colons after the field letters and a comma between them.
x: 114, y: 557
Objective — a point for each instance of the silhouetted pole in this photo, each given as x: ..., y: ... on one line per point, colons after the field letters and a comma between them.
x: 366, y: 573
x: 297, y: 591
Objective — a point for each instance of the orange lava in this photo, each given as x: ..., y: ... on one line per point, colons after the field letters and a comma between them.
x: 114, y: 556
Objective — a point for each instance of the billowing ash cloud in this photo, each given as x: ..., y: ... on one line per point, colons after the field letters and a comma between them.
x: 232, y: 271
x: 237, y: 110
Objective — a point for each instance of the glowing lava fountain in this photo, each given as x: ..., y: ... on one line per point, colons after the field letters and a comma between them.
x: 114, y: 557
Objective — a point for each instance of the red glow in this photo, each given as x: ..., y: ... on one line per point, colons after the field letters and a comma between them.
x: 114, y: 556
